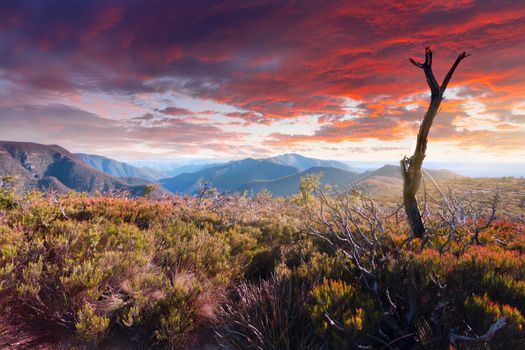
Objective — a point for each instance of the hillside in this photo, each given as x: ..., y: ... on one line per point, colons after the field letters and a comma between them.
x: 229, y: 176
x: 120, y: 169
x: 289, y: 185
x: 388, y: 179
x: 37, y: 166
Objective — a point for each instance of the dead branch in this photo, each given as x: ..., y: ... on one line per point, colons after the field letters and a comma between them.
x: 499, y: 324
x: 411, y: 167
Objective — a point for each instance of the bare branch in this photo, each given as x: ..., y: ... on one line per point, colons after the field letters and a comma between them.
x: 452, y: 69
x: 428, y: 57
x: 499, y: 324
x: 415, y: 63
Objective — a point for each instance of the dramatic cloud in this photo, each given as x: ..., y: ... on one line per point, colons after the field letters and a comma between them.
x: 224, y: 76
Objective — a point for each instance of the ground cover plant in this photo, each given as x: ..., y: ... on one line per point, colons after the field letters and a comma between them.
x: 325, y: 269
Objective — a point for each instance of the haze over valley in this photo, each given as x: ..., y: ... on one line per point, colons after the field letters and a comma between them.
x: 54, y: 168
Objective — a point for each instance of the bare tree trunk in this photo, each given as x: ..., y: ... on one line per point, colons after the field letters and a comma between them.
x: 411, y: 167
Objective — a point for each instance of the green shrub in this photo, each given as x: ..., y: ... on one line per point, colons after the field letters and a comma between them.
x: 8, y: 200
x: 90, y: 326
x: 481, y: 313
x: 176, y: 316
x: 341, y: 313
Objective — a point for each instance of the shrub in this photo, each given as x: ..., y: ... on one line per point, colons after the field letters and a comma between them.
x: 481, y: 312
x: 94, y: 267
x: 174, y: 317
x: 90, y: 326
x: 341, y: 313
x: 8, y: 198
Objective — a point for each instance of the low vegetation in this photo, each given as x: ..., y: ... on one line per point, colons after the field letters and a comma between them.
x: 321, y: 270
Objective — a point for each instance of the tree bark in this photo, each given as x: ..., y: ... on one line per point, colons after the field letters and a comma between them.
x: 411, y: 167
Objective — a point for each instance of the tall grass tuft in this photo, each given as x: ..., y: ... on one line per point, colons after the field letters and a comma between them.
x: 268, y: 315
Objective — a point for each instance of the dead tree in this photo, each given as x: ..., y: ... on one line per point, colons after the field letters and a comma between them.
x: 411, y: 167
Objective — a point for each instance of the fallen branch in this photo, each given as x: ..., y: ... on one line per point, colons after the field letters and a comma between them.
x: 499, y: 324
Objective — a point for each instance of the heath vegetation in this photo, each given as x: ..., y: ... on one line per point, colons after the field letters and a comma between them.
x: 325, y: 269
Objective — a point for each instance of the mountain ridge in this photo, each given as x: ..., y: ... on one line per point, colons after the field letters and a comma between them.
x: 120, y: 169
x: 52, y: 167
x: 226, y: 177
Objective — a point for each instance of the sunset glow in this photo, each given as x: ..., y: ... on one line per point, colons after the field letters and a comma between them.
x: 168, y: 79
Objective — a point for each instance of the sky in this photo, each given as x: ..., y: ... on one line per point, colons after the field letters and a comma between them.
x: 232, y: 79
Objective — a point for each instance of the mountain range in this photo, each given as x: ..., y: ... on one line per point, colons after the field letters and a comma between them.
x: 386, y: 178
x: 281, y: 176
x: 53, y: 167
x: 229, y: 176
